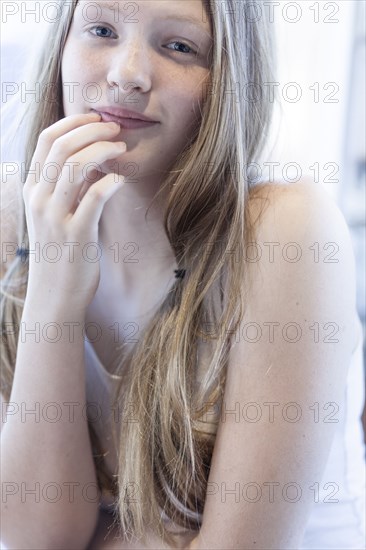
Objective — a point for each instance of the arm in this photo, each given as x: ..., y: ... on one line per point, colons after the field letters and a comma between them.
x: 40, y: 453
x: 43, y: 452
x: 51, y: 458
x: 275, y: 450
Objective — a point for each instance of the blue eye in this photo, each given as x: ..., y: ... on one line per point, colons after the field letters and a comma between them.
x: 103, y: 34
x: 185, y: 46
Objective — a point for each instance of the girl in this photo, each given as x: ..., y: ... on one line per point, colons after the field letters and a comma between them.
x: 190, y: 351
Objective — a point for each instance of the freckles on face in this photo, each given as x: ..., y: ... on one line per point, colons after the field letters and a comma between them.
x: 184, y: 102
x: 81, y: 77
x: 136, y: 68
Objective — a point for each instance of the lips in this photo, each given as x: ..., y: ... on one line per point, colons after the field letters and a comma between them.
x: 124, y: 117
x: 126, y: 122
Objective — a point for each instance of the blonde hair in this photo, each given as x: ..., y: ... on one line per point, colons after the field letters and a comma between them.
x: 168, y: 451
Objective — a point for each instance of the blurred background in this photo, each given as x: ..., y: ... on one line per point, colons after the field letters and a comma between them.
x: 319, y: 127
x: 320, y: 123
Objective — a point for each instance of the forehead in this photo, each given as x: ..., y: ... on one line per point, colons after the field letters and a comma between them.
x: 192, y: 12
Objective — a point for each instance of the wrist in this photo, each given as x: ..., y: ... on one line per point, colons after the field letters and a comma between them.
x: 50, y: 324
x: 47, y: 307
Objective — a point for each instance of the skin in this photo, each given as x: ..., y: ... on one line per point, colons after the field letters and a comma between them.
x: 306, y: 292
x: 167, y: 84
x: 139, y: 62
x: 139, y: 66
x: 149, y: 66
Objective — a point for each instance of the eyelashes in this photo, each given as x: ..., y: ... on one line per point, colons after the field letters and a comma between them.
x: 105, y: 35
x: 185, y: 45
x: 101, y: 27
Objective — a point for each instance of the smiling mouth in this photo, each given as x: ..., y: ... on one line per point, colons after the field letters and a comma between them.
x: 126, y: 123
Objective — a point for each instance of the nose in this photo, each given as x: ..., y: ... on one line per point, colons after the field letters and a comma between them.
x: 130, y: 66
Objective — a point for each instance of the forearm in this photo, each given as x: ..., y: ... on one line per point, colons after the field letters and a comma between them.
x: 48, y: 473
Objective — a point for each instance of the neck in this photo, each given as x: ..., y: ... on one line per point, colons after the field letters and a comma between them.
x: 133, y: 247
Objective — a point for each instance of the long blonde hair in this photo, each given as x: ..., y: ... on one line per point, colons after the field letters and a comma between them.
x: 167, y: 452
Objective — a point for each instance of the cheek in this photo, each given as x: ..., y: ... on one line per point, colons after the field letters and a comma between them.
x: 77, y: 65
x: 66, y: 62
x: 187, y: 103
x: 78, y: 74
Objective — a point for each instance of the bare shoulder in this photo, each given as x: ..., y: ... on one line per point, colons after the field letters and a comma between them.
x: 292, y: 348
x: 11, y: 205
x: 305, y: 198
x: 305, y: 247
x: 305, y: 214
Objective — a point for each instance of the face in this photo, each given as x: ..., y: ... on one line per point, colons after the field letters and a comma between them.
x: 146, y: 56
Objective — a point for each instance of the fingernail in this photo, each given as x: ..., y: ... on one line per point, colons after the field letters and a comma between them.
x: 113, y: 124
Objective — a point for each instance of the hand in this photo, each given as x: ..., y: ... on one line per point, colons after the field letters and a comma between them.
x: 62, y: 206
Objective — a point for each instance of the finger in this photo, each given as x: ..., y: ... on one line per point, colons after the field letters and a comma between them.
x: 91, y: 206
x: 94, y: 175
x: 67, y: 192
x: 46, y: 140
x: 64, y: 149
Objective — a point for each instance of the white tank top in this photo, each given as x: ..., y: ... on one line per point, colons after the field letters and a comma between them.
x: 337, y: 519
